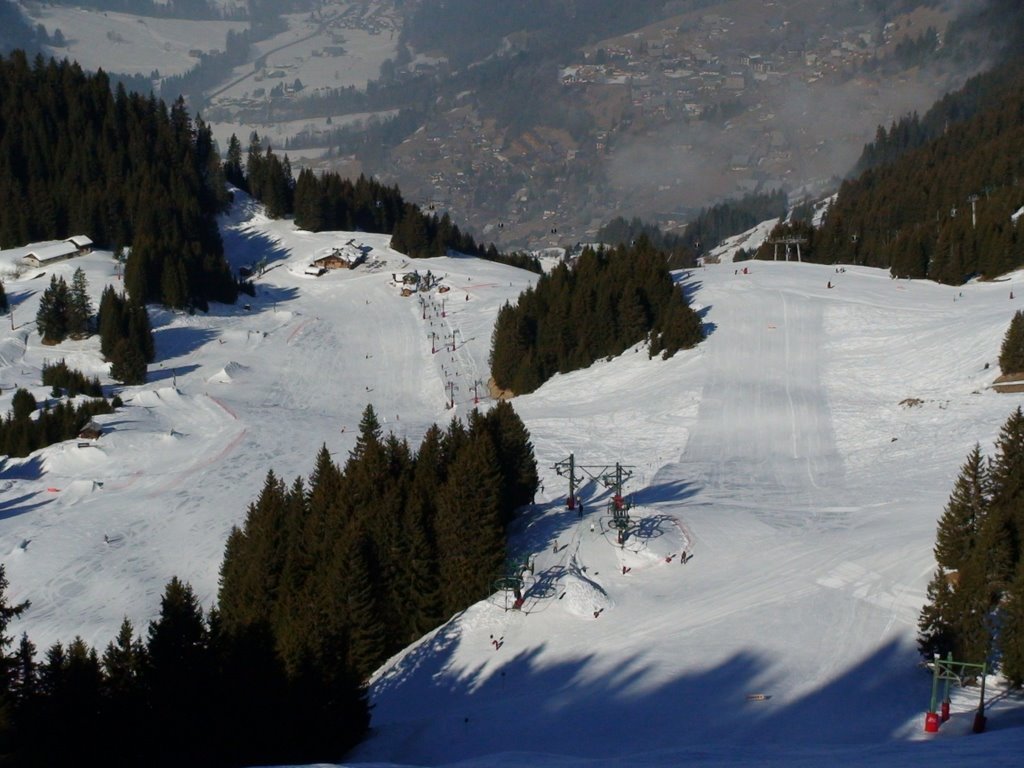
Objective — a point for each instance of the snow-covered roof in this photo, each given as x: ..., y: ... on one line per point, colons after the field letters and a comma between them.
x: 48, y: 253
x: 80, y: 241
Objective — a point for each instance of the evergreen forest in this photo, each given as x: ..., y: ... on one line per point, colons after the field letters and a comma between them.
x: 975, y: 599
x: 352, y: 565
x: 327, y: 202
x: 79, y: 158
x: 933, y: 206
x: 325, y: 580
x: 606, y: 302
x: 707, y: 229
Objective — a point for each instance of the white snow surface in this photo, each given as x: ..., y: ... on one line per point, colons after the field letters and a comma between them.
x: 778, y: 455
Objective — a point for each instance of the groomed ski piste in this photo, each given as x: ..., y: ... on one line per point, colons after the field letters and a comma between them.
x: 786, y: 478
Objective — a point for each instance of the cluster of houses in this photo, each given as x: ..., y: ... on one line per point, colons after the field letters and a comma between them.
x: 348, y: 256
x: 49, y: 253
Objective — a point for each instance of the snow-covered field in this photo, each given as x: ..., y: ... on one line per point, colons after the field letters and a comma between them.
x: 777, y: 455
x: 129, y: 44
x: 342, y: 44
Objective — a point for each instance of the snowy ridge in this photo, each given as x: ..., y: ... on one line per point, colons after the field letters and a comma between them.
x: 748, y: 241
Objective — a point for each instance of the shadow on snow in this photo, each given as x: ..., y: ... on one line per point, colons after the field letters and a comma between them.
x: 578, y: 707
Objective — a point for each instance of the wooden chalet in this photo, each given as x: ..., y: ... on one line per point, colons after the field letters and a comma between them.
x: 331, y: 261
x: 90, y: 431
x: 50, y: 253
x: 349, y: 256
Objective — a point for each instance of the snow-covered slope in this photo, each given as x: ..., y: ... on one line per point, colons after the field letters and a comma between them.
x: 782, y: 455
x: 779, y: 457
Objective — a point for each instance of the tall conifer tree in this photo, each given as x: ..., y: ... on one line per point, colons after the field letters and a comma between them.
x: 964, y: 513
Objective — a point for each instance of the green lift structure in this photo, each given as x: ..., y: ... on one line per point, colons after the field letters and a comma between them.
x: 610, y: 476
x: 947, y: 671
x: 512, y: 582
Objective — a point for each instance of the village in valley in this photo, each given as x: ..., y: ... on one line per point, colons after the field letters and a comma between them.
x: 749, y: 96
x: 744, y: 67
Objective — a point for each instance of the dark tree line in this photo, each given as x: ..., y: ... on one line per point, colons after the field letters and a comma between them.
x: 622, y: 231
x: 608, y: 301
x: 345, y: 568
x: 942, y: 211
x: 77, y: 158
x: 329, y: 202
x: 20, y: 434
x: 126, y: 338
x: 975, y: 600
x: 187, y: 693
x: 913, y: 131
x: 707, y: 229
x: 731, y: 217
x: 70, y: 381
x: 64, y: 310
x: 325, y: 580
x: 994, y: 29
x: 210, y: 70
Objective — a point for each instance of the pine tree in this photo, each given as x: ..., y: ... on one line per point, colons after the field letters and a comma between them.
x: 127, y: 363
x: 124, y: 665
x: 324, y: 521
x: 26, y: 677
x: 8, y: 664
x: 423, y: 611
x: 254, y: 165
x: 140, y: 334
x: 369, y: 436
x: 52, y: 316
x: 1004, y: 527
x: 368, y: 639
x: 1011, y: 354
x: 23, y: 404
x: 470, y: 537
x: 962, y: 518
x: 309, y: 202
x: 254, y: 559
x: 1011, y: 638
x: 111, y: 320
x: 180, y: 668
x: 76, y: 704
x: 79, y: 309
x: 515, y: 458
x: 973, y: 604
x: 366, y: 469
x: 233, y: 171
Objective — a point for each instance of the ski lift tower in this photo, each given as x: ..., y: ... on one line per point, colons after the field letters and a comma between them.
x: 788, y: 241
x: 618, y: 506
x: 513, y: 580
x: 948, y: 671
x: 611, y: 477
x: 567, y: 468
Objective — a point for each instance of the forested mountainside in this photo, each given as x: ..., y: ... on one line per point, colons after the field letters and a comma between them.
x: 943, y: 210
x: 78, y: 158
